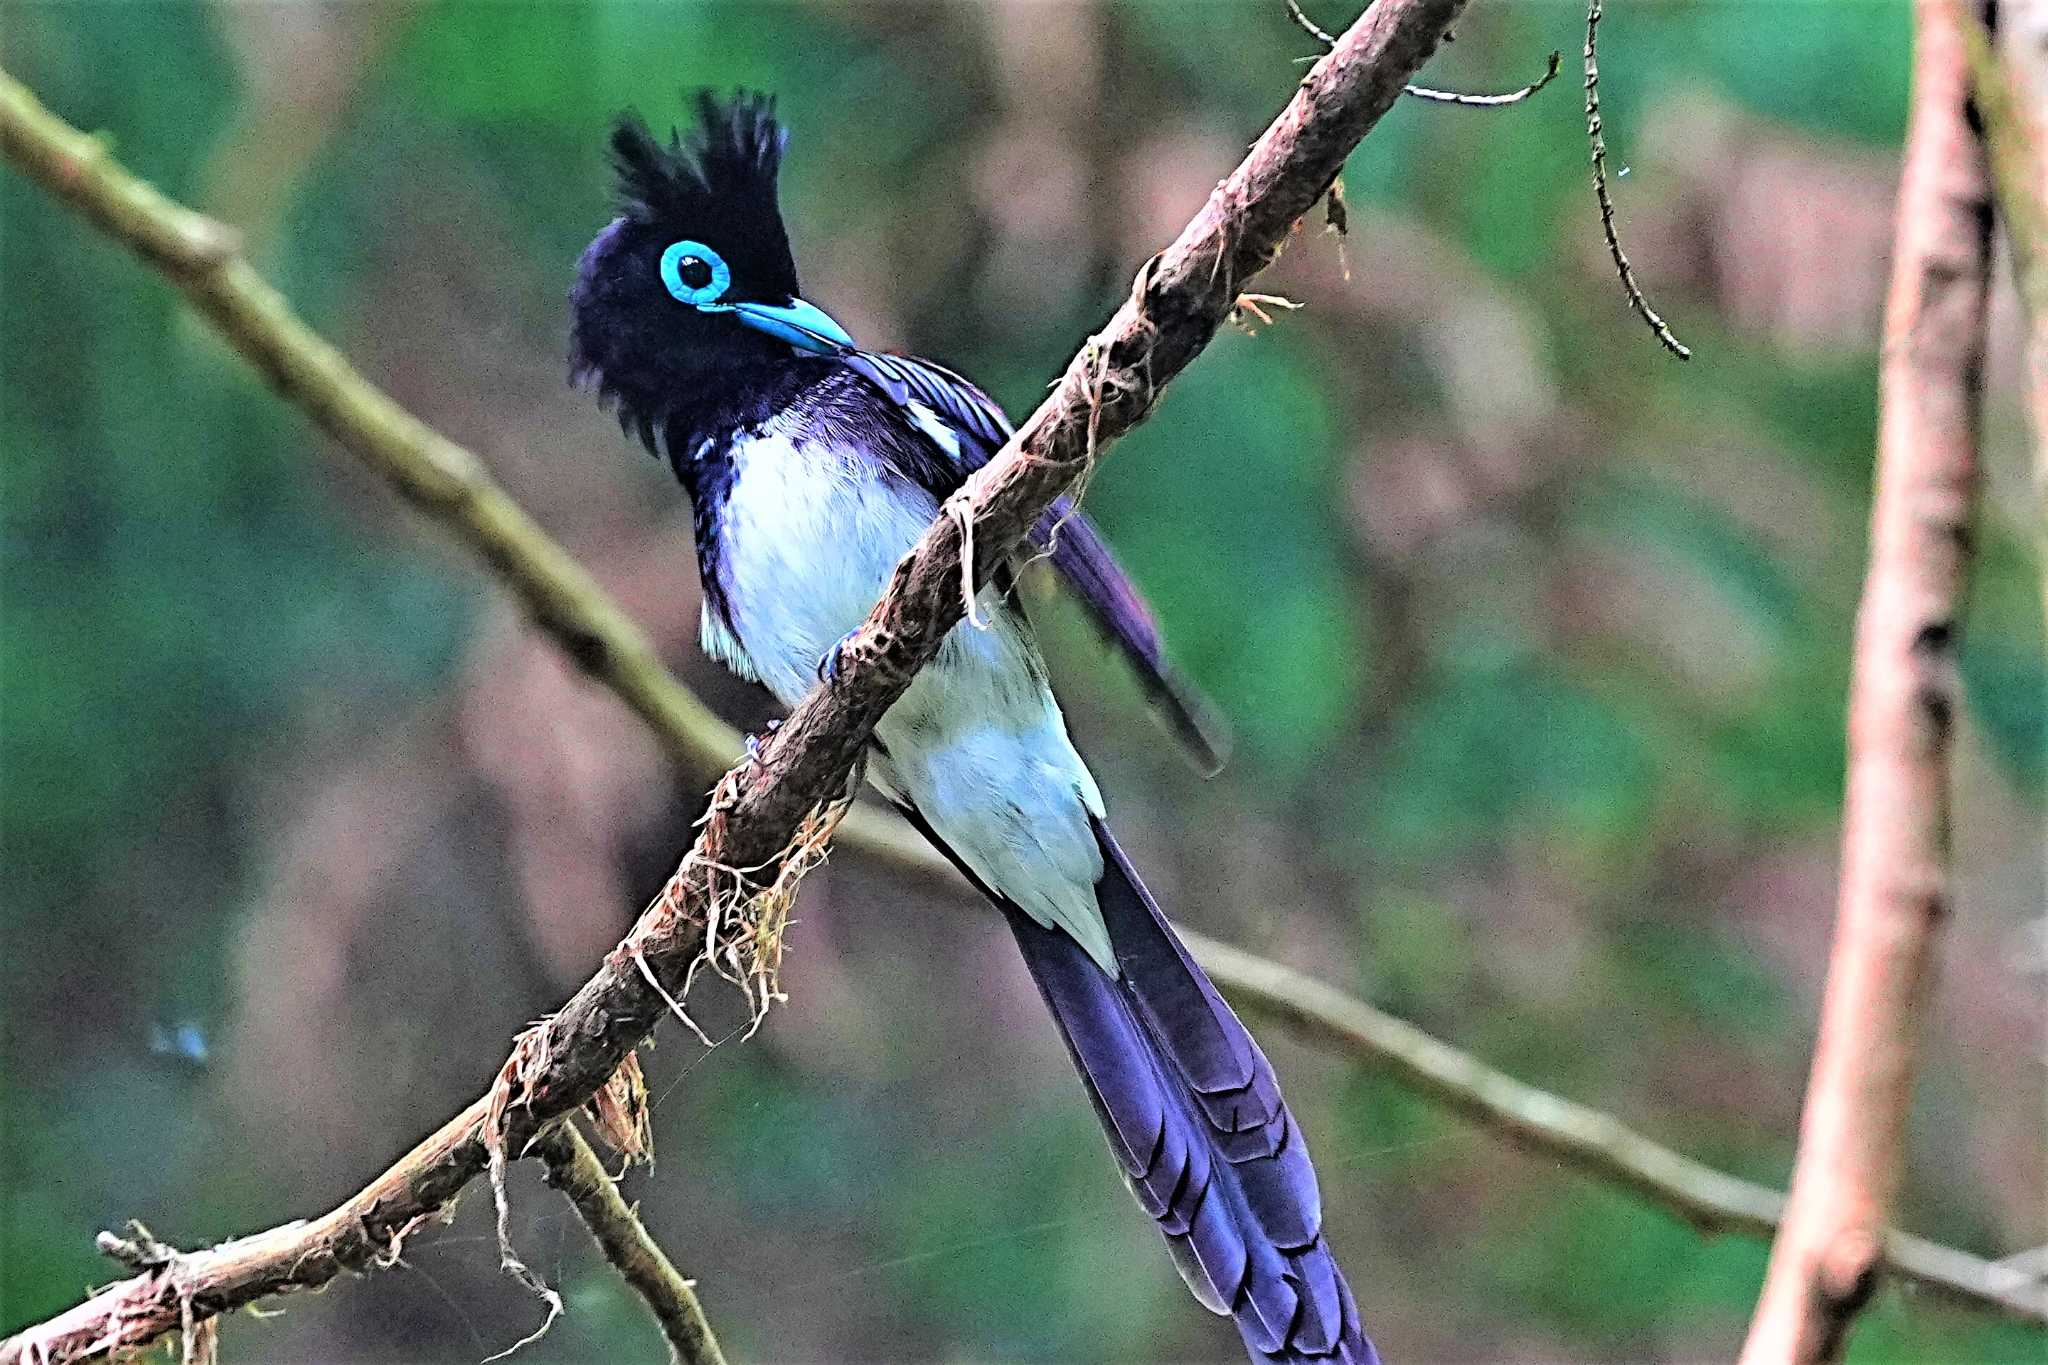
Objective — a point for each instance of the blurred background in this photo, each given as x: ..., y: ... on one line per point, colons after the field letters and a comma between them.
x: 1534, y: 641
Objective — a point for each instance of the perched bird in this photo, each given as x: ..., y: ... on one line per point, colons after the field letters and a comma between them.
x: 812, y: 467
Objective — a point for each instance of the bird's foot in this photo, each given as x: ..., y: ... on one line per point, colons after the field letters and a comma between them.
x: 828, y: 662
x: 754, y: 741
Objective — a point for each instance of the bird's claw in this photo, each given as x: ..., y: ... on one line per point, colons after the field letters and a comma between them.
x: 754, y: 741
x: 828, y: 662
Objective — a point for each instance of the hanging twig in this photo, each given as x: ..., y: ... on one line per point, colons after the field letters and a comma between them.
x: 1310, y: 27
x: 1598, y: 144
x: 1595, y: 141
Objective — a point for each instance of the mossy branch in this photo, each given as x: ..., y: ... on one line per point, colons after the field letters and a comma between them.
x: 1586, y: 1139
x: 573, y: 1168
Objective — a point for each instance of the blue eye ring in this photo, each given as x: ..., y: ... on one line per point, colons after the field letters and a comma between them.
x: 673, y: 262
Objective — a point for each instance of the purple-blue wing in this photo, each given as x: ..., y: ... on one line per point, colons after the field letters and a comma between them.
x: 955, y: 398
x: 1065, y: 535
x: 1083, y: 560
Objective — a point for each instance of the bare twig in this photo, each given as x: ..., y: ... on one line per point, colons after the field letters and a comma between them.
x: 1598, y: 144
x: 1595, y: 140
x: 573, y: 1168
x: 1550, y: 70
x: 1310, y: 27
x: 1178, y: 302
x: 1423, y: 92
x: 1595, y: 1143
x: 1903, y: 697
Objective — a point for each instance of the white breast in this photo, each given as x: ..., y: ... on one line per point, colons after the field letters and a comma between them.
x: 808, y: 538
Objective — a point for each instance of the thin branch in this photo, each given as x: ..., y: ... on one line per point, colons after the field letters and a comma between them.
x: 1550, y: 70
x: 1180, y: 299
x: 1903, y: 697
x: 1423, y: 92
x: 1598, y: 144
x: 1311, y: 28
x: 573, y: 1168
x: 1592, y: 1142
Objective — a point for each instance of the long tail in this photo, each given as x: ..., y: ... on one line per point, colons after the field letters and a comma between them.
x: 1194, y: 1115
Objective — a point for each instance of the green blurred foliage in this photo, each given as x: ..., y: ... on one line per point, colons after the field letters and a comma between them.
x: 1527, y: 823
x: 1256, y: 594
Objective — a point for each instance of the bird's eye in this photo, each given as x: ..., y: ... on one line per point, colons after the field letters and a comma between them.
x: 694, y: 273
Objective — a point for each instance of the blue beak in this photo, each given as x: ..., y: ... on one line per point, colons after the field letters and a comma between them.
x: 798, y: 323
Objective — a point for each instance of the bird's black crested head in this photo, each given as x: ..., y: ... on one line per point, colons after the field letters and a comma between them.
x: 699, y: 230
x: 716, y: 186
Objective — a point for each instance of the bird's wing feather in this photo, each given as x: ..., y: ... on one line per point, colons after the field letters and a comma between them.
x: 966, y: 428
x: 1090, y: 570
x: 907, y: 380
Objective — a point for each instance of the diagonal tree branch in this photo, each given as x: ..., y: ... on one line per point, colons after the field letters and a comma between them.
x: 763, y: 814
x: 1903, y: 696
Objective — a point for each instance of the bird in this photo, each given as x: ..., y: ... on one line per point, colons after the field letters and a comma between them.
x: 812, y: 466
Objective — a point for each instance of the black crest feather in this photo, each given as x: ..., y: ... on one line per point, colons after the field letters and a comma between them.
x: 716, y: 184
x: 735, y: 152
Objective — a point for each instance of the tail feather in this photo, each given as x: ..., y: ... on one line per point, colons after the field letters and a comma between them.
x: 1229, y: 1076
x: 1193, y: 1113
